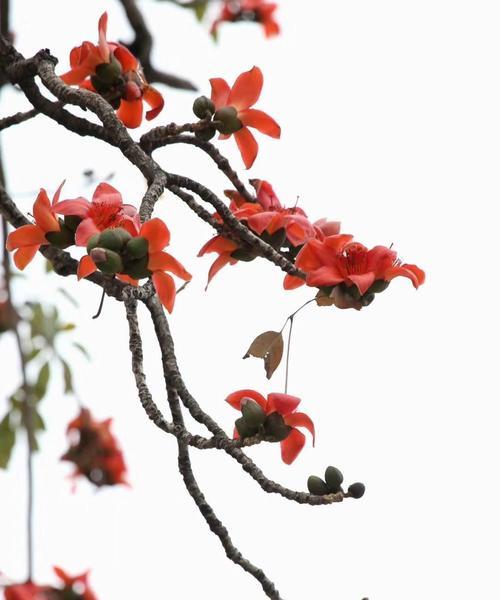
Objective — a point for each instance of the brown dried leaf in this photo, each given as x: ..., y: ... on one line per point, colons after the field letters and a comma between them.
x: 269, y: 346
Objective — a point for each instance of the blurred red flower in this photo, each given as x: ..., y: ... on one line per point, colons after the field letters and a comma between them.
x: 258, y: 11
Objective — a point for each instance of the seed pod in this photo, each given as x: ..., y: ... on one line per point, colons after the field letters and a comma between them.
x: 356, y: 490
x: 107, y: 261
x: 61, y: 239
x: 244, y: 428
x: 252, y: 412
x: 205, y: 134
x: 317, y: 486
x: 114, y: 238
x: 72, y: 222
x: 203, y: 107
x: 228, y: 120
x: 334, y: 479
x: 93, y: 242
x: 138, y: 269
x: 276, y: 427
x: 137, y: 247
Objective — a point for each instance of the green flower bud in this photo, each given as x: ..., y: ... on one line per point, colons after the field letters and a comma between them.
x: 334, y: 479
x: 107, y: 261
x: 205, y: 134
x: 61, y: 239
x: 93, y: 242
x: 137, y: 269
x: 137, y: 247
x: 244, y: 428
x: 109, y: 73
x: 356, y: 490
x: 252, y: 412
x: 114, y: 238
x: 378, y: 286
x: 316, y: 486
x: 228, y: 120
x: 72, y: 222
x: 203, y: 107
x: 276, y: 427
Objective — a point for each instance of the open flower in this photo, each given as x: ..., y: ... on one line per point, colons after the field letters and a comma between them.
x: 349, y: 273
x: 24, y: 591
x: 74, y: 588
x: 27, y: 239
x: 112, y: 71
x: 280, y: 419
x: 94, y: 451
x: 235, y: 115
x: 135, y: 257
x: 258, y: 11
x: 105, y: 211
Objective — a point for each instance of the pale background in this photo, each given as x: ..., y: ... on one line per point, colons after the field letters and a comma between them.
x: 390, y: 116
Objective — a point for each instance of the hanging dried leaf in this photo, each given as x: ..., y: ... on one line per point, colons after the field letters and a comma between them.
x: 269, y: 346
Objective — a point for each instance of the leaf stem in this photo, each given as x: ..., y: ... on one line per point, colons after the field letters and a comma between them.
x: 288, y: 351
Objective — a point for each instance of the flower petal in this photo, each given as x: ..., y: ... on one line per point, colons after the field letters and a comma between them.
x: 103, y: 44
x: 218, y: 244
x: 24, y: 255
x: 324, y: 276
x: 108, y: 196
x: 291, y: 282
x: 246, y: 89
x: 76, y: 76
x: 42, y: 211
x: 284, y: 404
x: 130, y: 113
x: 220, y: 262
x: 261, y: 121
x: 301, y: 420
x: 85, y: 231
x: 86, y: 267
x: 26, y: 235
x: 163, y: 261
x: 362, y: 281
x: 416, y: 275
x: 292, y: 446
x: 127, y: 279
x: 157, y: 234
x: 220, y: 92
x: 235, y: 398
x: 165, y: 288
x: 247, y: 145
x: 155, y: 100
x: 127, y: 60
x: 79, y: 207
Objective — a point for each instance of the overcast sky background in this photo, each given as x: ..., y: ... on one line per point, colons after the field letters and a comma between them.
x: 390, y: 118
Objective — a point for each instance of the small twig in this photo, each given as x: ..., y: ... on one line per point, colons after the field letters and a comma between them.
x: 101, y: 303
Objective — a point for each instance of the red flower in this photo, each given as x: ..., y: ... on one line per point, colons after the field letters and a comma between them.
x: 27, y: 239
x: 94, y: 451
x: 24, y: 591
x: 284, y: 405
x: 233, y: 110
x: 105, y: 211
x: 258, y: 11
x: 111, y: 70
x: 150, y: 261
x: 77, y: 585
x: 350, y: 272
x: 76, y: 588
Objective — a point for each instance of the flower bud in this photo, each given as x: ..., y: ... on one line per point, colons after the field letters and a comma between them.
x: 276, y: 427
x: 205, y: 134
x: 114, y: 239
x: 93, y: 242
x: 109, y: 73
x: 137, y: 247
x: 356, y: 490
x: 252, y: 412
x: 203, y: 107
x: 107, y: 261
x: 138, y: 269
x: 61, y: 239
x: 316, y: 486
x: 228, y: 121
x: 334, y: 479
x: 244, y: 428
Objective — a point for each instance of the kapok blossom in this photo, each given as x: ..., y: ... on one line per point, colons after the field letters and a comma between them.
x: 27, y: 239
x: 281, y: 227
x: 94, y: 451
x: 235, y: 115
x: 105, y: 211
x: 112, y: 71
x: 141, y: 255
x: 74, y: 588
x: 349, y: 273
x: 258, y: 11
x: 285, y: 406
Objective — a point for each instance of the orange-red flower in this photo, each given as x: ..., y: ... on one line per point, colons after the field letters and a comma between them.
x: 348, y: 272
x: 94, y: 451
x: 285, y: 406
x: 234, y: 112
x: 140, y: 256
x: 27, y: 239
x: 74, y: 588
x: 24, y: 591
x: 105, y: 211
x: 258, y: 11
x: 111, y: 70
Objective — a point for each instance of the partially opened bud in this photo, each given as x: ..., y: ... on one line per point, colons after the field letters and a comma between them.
x: 107, y: 261
x: 228, y: 121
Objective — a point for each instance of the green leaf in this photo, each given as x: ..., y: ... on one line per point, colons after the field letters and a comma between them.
x: 40, y: 388
x: 68, y: 377
x: 7, y: 441
x: 82, y: 349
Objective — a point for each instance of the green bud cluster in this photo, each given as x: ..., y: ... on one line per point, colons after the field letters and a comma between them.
x: 224, y: 120
x: 65, y: 237
x: 254, y: 421
x: 116, y: 251
x: 332, y: 484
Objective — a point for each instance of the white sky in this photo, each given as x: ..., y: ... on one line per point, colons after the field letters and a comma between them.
x: 390, y: 118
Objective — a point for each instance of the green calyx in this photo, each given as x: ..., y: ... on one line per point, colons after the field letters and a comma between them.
x: 108, y: 74
x: 244, y: 429
x: 114, y: 238
x: 203, y: 107
x: 107, y: 261
x: 137, y: 247
x: 252, y: 412
x: 138, y: 268
x: 72, y: 222
x: 61, y: 239
x: 276, y: 427
x: 227, y: 121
